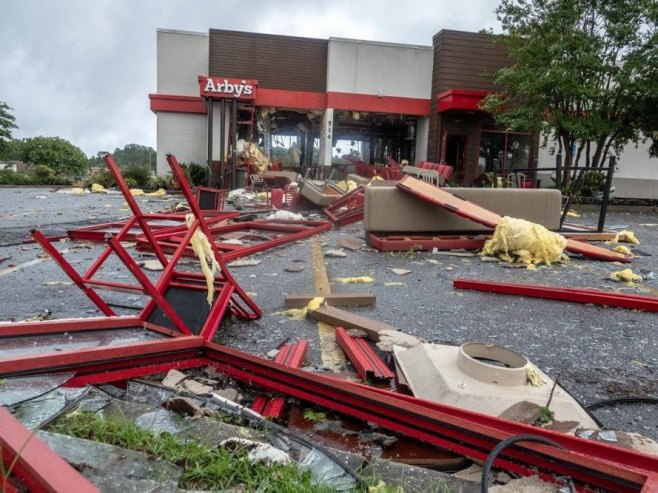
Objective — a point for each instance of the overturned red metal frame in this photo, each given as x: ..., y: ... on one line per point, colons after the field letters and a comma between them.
x: 228, y: 295
x: 98, y: 232
x: 293, y: 356
x: 576, y: 295
x: 37, y: 466
x: 464, y: 432
x: 401, y: 242
x: 290, y: 230
x: 474, y: 212
x: 348, y: 209
x: 368, y: 365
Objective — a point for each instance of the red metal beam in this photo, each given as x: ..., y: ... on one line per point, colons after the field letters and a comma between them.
x: 71, y: 359
x: 293, y: 356
x: 368, y: 365
x: 576, y: 295
x: 400, y: 243
x: 348, y: 209
x: 466, y: 432
x: 34, y: 463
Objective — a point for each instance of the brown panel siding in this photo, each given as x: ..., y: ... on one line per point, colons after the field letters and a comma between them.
x: 462, y: 60
x: 465, y: 60
x: 277, y: 62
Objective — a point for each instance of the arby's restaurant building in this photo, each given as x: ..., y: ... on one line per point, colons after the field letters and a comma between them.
x: 327, y: 97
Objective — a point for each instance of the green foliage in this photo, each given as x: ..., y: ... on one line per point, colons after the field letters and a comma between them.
x: 585, y: 72
x: 157, y: 182
x: 40, y: 177
x: 313, y: 415
x: 138, y: 174
x: 593, y: 183
x: 58, y: 154
x: 135, y: 155
x: 196, y: 174
x: 103, y: 178
x: 545, y: 416
x: 205, y: 468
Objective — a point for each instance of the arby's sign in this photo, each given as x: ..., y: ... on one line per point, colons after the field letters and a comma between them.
x: 225, y: 88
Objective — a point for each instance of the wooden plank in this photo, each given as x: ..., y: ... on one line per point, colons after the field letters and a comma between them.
x: 340, y: 318
x: 337, y: 299
x: 446, y: 200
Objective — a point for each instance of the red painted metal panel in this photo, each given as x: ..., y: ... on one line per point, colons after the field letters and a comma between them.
x: 462, y: 431
x: 293, y: 356
x: 11, y: 329
x: 375, y: 103
x: 460, y: 99
x: 469, y: 210
x: 401, y: 243
x: 348, y: 209
x: 53, y: 361
x: 282, y: 98
x: 177, y: 104
x: 36, y: 465
x: 364, y: 359
x: 576, y: 295
x: 289, y: 231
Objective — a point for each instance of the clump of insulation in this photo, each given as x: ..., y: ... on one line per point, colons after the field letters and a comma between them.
x: 203, y: 250
x: 626, y: 237
x: 97, y: 188
x: 518, y: 240
x: 347, y: 185
x: 300, y: 313
x: 249, y: 153
x: 626, y: 275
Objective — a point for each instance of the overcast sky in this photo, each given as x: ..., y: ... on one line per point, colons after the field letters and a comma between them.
x: 82, y: 69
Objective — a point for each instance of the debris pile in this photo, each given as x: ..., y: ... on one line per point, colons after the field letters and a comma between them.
x: 400, y: 397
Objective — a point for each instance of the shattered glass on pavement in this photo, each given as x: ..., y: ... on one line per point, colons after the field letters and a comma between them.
x: 162, y: 421
x: 70, y: 341
x: 114, y: 469
x: 18, y: 389
x: 36, y: 412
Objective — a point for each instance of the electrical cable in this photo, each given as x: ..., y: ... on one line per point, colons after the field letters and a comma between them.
x: 506, y: 443
x: 621, y: 400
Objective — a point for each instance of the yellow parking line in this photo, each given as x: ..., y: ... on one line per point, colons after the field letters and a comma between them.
x: 332, y: 356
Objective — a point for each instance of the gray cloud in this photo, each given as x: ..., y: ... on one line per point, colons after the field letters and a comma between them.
x: 83, y: 70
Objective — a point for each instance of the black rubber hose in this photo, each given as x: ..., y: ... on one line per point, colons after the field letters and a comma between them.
x: 621, y: 400
x: 506, y: 443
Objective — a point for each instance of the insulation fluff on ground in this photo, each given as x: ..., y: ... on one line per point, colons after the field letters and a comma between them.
x: 518, y: 240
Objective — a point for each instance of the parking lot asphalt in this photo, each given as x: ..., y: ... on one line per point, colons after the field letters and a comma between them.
x: 596, y: 352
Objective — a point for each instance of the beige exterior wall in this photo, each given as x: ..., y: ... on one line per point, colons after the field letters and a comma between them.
x: 384, y: 69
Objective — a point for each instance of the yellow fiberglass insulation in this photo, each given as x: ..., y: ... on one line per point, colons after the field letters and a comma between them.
x: 347, y: 185
x: 626, y: 237
x: 203, y: 250
x: 97, y: 188
x: 300, y: 313
x: 626, y: 275
x: 518, y: 240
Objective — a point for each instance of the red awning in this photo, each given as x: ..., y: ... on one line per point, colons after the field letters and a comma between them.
x: 460, y: 99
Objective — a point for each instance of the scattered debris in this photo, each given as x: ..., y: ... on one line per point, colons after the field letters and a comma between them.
x: 518, y: 240
x: 294, y: 268
x: 356, y: 280
x: 350, y: 243
x: 400, y: 272
x: 152, y: 265
x: 246, y: 262
x: 257, y: 452
x: 626, y: 275
x: 335, y: 253
x: 626, y: 237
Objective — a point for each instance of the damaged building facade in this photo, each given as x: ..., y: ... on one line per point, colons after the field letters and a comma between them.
x: 309, y: 101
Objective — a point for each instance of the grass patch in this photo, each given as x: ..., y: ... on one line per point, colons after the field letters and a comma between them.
x: 204, y: 467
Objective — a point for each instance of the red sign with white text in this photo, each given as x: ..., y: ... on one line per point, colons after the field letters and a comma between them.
x: 224, y: 88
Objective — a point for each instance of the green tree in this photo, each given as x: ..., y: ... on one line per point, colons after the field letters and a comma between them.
x: 6, y: 125
x: 584, y: 72
x: 58, y: 154
x: 135, y: 155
